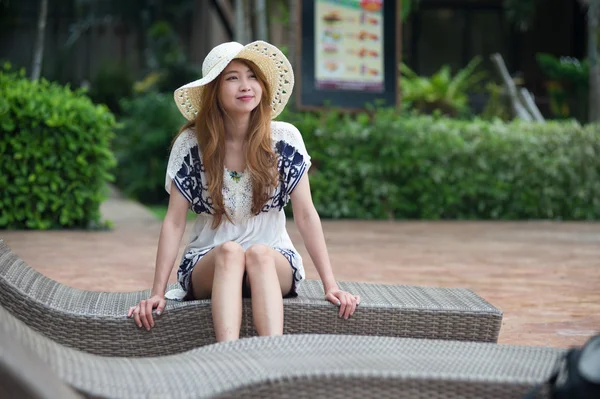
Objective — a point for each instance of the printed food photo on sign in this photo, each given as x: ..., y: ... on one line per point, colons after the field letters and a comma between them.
x: 330, y: 48
x: 332, y: 35
x: 331, y: 67
x: 348, y: 45
x: 371, y: 5
x: 332, y: 17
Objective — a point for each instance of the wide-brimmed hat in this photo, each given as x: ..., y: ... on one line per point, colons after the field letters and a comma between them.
x: 271, y: 61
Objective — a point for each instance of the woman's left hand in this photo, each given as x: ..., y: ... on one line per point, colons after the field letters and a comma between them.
x: 345, y: 300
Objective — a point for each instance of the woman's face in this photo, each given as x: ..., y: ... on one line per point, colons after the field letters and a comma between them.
x: 240, y: 91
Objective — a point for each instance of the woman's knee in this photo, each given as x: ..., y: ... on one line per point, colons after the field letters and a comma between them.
x: 258, y: 257
x: 230, y: 255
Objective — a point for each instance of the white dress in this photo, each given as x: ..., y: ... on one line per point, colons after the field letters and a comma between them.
x: 186, y: 171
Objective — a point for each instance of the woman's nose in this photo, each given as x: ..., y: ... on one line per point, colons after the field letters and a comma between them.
x: 244, y: 84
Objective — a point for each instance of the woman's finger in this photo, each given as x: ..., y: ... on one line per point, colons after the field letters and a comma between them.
x: 333, y: 299
x: 161, y: 306
x: 130, y: 312
x: 354, y: 304
x: 136, y: 316
x: 343, y: 305
x: 349, y: 305
x: 149, y: 316
x: 144, y: 316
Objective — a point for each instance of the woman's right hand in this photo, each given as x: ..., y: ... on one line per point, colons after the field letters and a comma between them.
x: 142, y: 313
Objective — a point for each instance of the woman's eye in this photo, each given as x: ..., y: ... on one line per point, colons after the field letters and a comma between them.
x: 252, y: 76
x: 231, y: 78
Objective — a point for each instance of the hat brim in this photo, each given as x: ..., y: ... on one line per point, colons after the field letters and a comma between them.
x: 268, y: 58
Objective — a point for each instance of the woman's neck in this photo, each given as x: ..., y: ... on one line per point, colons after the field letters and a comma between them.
x: 236, y: 128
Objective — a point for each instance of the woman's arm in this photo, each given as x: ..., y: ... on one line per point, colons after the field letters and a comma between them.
x: 170, y: 237
x: 309, y: 224
x: 168, y: 246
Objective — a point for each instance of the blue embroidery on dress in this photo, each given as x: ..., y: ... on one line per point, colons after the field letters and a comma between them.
x: 189, y: 181
x: 291, y: 165
x: 290, y: 256
x: 188, y: 261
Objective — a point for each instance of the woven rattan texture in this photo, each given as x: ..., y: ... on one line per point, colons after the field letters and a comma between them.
x: 305, y: 366
x: 95, y: 322
x: 22, y: 375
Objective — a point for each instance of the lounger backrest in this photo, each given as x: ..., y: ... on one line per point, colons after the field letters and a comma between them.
x: 22, y: 373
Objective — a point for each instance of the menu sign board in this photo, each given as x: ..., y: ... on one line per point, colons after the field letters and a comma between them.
x: 349, y: 51
x: 349, y: 45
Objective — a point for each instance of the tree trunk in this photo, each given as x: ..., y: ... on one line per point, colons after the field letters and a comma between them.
x: 261, y: 20
x: 518, y: 110
x: 240, y: 22
x: 529, y: 103
x: 38, y: 50
x: 249, y: 22
x: 594, y: 78
x: 293, y: 32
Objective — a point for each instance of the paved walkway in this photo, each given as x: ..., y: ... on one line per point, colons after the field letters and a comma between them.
x: 544, y: 276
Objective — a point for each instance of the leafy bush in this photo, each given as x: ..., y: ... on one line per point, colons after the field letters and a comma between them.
x: 149, y: 124
x: 169, y: 67
x: 498, y: 103
x: 55, y: 154
x: 166, y: 80
x: 112, y: 83
x: 441, y: 92
x: 379, y: 165
x: 385, y: 166
x: 567, y: 85
x: 164, y: 47
x: 565, y: 69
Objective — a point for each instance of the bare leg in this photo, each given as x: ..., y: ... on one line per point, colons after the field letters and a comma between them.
x: 218, y: 275
x: 270, y: 277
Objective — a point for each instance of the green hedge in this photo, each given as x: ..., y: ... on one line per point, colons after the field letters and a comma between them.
x: 55, y: 156
x: 380, y: 165
x: 149, y: 125
x: 386, y: 166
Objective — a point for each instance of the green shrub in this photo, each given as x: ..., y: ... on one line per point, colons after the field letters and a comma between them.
x: 166, y: 80
x: 441, y: 92
x: 379, y: 165
x: 149, y: 124
x: 567, y: 85
x: 112, y: 83
x: 387, y: 166
x: 169, y: 67
x: 55, y: 155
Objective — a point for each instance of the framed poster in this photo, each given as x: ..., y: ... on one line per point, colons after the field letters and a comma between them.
x: 349, y: 51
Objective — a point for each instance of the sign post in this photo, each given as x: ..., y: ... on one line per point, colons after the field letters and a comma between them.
x: 349, y: 52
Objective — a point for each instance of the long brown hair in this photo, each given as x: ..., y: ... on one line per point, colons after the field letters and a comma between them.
x: 261, y: 161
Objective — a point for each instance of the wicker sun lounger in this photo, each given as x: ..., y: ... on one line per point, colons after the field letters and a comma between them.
x: 95, y: 322
x: 303, y: 366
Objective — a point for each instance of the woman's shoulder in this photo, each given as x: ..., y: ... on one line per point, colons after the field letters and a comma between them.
x: 285, y: 131
x: 184, y: 151
x: 186, y: 139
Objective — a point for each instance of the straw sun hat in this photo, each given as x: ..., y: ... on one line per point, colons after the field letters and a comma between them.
x: 271, y: 61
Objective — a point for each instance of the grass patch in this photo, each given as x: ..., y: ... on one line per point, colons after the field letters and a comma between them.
x: 160, y: 211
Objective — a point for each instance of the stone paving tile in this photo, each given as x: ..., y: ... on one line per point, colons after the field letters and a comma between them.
x: 544, y: 276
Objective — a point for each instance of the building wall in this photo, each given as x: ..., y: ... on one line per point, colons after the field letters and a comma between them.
x: 109, y: 43
x: 452, y: 32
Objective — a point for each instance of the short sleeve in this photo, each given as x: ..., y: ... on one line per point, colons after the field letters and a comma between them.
x: 294, y: 160
x: 185, y: 171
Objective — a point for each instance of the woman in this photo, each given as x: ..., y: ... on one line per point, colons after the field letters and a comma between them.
x: 237, y: 169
